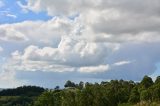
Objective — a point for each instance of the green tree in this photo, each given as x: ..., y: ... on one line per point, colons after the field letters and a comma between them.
x: 69, y: 84
x: 145, y: 95
x: 157, y: 81
x: 49, y: 98
x: 134, y: 96
x: 155, y: 91
x: 68, y: 98
x: 146, y: 82
x: 46, y: 99
x: 81, y: 85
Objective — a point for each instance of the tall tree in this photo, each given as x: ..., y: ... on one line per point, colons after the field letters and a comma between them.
x: 146, y: 82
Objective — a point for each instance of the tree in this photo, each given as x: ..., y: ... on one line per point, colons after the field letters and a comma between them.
x: 146, y: 82
x: 155, y: 91
x: 49, y: 98
x: 80, y: 85
x: 57, y: 88
x: 69, y: 84
x: 145, y: 95
x: 134, y: 96
x: 157, y: 80
x: 68, y: 98
x: 46, y: 99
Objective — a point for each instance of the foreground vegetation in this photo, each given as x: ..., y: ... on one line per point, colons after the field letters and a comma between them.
x: 113, y: 93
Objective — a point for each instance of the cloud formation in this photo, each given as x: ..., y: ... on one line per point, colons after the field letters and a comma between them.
x: 94, y: 38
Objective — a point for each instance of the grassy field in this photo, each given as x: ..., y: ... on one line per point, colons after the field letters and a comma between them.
x: 15, y: 100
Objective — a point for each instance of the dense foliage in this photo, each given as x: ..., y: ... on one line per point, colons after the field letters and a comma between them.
x: 21, y: 96
x: 23, y: 90
x: 112, y: 93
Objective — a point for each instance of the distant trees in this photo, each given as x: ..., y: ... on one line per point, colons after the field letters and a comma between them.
x: 107, y: 93
x: 81, y: 85
x: 69, y: 84
x: 110, y: 93
x: 88, y: 94
x: 20, y: 96
x: 22, y: 91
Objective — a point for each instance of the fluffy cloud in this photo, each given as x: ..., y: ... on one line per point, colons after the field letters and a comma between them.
x: 108, y: 20
x: 69, y: 6
x: 100, y: 21
x: 103, y: 38
x: 10, y: 34
x: 68, y: 56
x: 48, y: 32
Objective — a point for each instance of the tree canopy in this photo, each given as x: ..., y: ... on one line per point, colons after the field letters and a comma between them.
x: 106, y: 93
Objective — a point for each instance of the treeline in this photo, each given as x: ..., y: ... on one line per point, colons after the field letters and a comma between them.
x: 112, y: 93
x: 106, y: 93
x: 21, y: 96
x: 23, y: 91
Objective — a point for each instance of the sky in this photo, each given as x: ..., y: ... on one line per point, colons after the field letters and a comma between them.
x: 47, y: 42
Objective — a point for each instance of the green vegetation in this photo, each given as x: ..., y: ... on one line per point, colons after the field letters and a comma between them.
x: 21, y: 96
x: 113, y: 93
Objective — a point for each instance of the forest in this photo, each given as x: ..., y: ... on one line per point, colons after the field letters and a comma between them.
x: 107, y: 93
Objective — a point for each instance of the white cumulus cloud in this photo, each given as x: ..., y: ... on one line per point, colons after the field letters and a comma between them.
x: 87, y: 36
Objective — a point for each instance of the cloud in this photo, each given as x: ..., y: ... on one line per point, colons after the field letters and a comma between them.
x: 94, y: 69
x: 96, y: 39
x: 70, y: 55
x: 111, y: 21
x: 47, y: 32
x: 7, y: 13
x: 11, y: 15
x: 10, y: 34
x: 121, y: 63
x: 7, y: 79
x: 23, y: 7
x: 1, y: 49
x: 143, y: 58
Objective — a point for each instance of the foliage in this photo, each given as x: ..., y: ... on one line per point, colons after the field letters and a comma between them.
x: 22, y: 91
x: 112, y: 93
x: 21, y: 96
x: 69, y: 84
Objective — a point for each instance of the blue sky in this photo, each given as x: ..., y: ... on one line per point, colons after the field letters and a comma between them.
x: 11, y: 12
x: 46, y: 42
